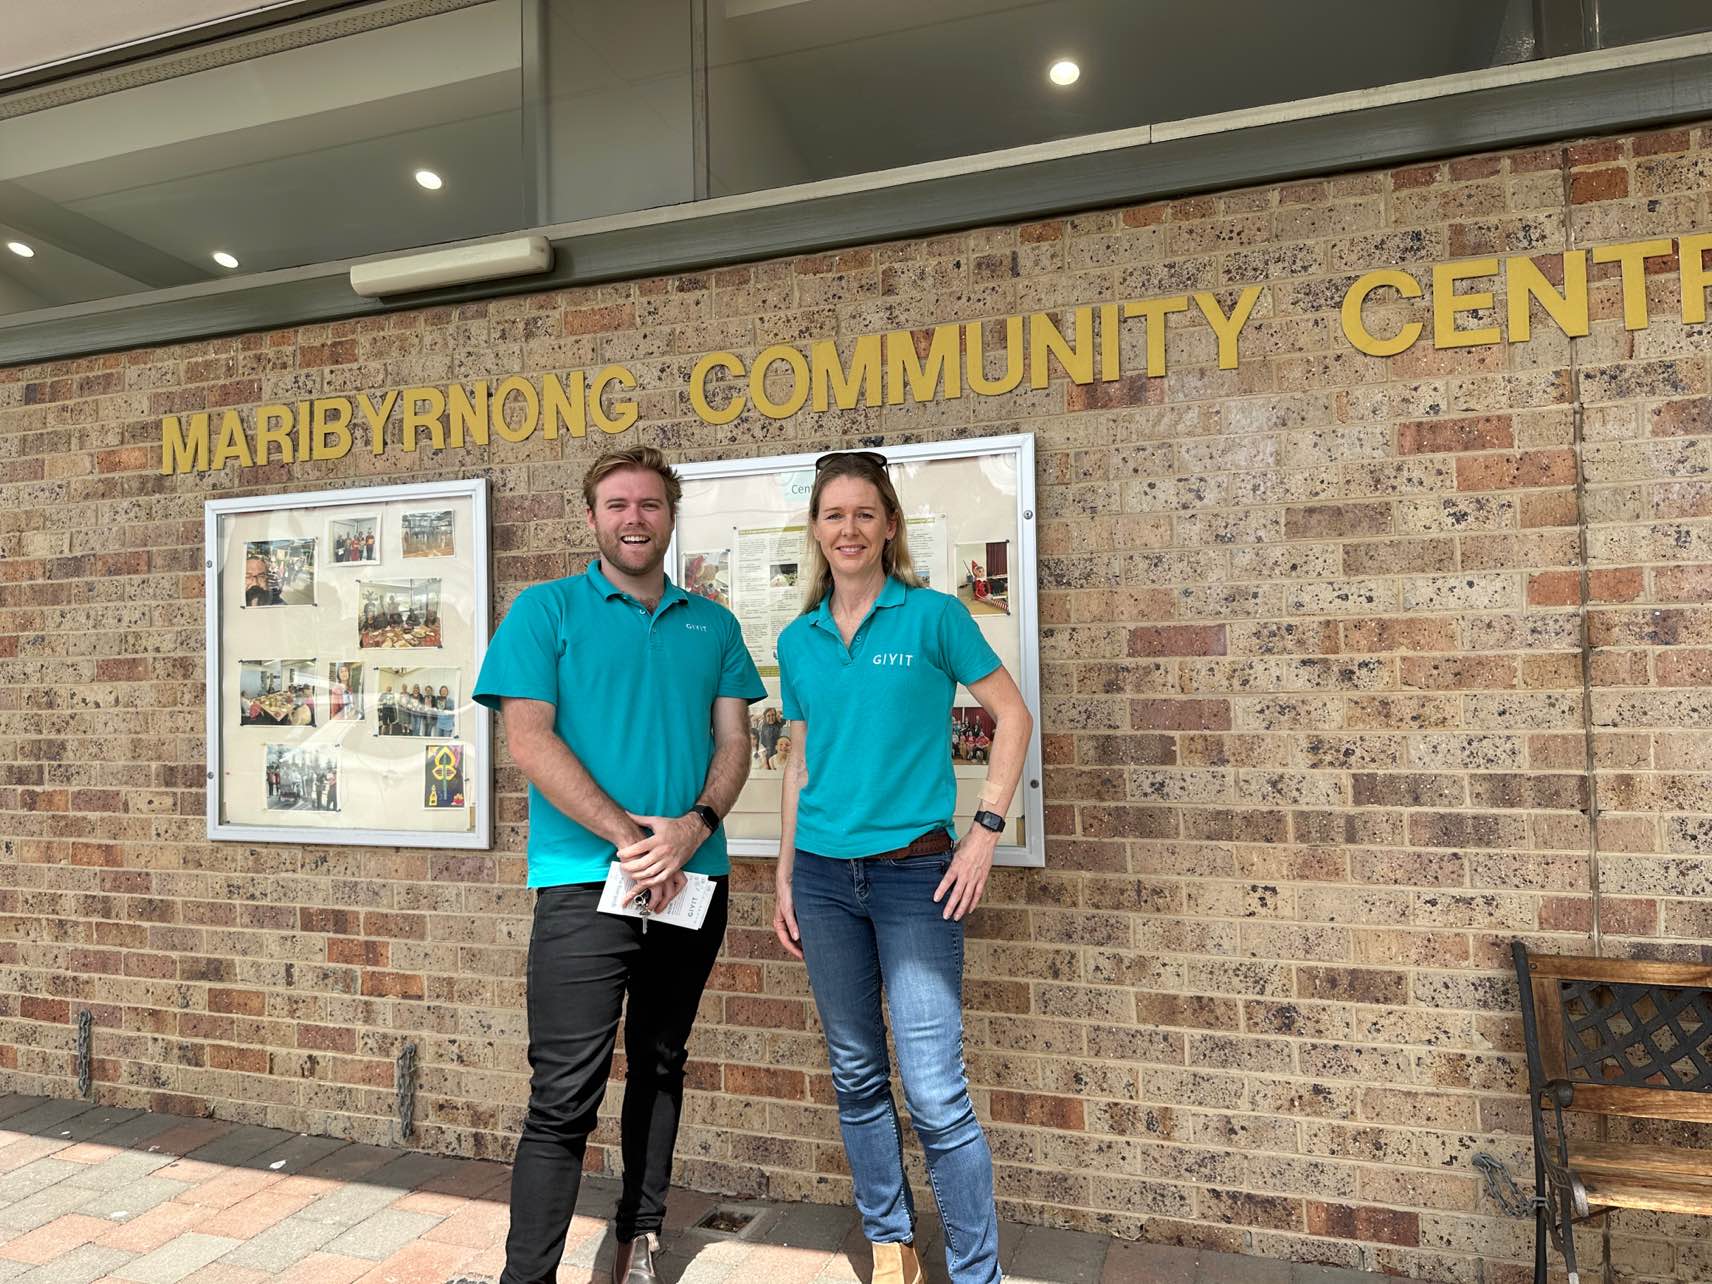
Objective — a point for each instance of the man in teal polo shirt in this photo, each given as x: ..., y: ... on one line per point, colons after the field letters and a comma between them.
x: 625, y: 702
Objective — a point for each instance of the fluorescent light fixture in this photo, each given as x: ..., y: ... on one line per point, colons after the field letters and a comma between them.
x: 429, y: 179
x: 1063, y: 72
x: 432, y: 269
x: 20, y: 249
x: 224, y: 259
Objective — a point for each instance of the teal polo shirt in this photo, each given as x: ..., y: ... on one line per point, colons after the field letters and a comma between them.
x: 633, y: 691
x: 879, y: 763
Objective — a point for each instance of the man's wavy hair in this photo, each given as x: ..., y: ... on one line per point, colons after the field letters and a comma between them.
x: 645, y: 458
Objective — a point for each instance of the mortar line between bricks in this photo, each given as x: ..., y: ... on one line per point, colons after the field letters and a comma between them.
x: 1585, y: 593
x: 1578, y: 423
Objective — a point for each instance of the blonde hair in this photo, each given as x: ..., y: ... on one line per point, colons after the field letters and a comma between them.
x: 894, y: 558
x: 645, y: 458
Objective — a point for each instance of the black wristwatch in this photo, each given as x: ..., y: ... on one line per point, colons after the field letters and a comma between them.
x: 709, y: 816
x: 990, y: 820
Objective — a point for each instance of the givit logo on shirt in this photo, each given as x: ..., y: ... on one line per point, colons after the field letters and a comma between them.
x: 902, y: 659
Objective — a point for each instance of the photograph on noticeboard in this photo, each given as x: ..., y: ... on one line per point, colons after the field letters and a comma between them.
x: 345, y: 691
x: 769, y: 736
x: 442, y: 776
x: 421, y: 702
x: 302, y: 778
x: 398, y: 614
x: 972, y: 730
x: 353, y: 541
x: 708, y: 575
x: 983, y: 577
x: 279, y: 572
x: 428, y: 534
x: 276, y: 693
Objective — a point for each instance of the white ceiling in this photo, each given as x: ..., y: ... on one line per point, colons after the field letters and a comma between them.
x: 39, y: 32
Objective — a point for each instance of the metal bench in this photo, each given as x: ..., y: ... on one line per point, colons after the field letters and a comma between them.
x: 1622, y: 1038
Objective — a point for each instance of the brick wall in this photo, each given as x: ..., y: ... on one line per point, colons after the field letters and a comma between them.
x: 1316, y: 716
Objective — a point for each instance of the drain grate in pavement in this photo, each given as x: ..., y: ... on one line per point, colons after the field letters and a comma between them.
x: 726, y: 1221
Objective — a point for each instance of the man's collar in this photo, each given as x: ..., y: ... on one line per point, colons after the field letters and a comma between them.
x: 597, y: 577
x: 608, y: 591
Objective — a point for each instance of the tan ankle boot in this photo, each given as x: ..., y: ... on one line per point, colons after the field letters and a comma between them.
x: 896, y: 1264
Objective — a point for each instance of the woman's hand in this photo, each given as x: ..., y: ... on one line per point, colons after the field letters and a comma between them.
x: 785, y: 915
x: 966, y: 880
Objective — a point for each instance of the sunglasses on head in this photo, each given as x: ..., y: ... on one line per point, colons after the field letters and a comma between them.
x: 872, y: 457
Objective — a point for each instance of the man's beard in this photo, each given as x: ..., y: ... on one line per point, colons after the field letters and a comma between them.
x: 641, y: 559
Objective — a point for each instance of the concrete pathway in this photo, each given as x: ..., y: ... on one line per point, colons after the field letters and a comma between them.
x: 94, y: 1195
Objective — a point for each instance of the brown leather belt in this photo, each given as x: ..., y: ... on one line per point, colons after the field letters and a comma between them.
x: 932, y: 843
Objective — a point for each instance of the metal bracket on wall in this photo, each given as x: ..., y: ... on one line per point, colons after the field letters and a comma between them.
x: 404, y: 1076
x: 85, y: 1052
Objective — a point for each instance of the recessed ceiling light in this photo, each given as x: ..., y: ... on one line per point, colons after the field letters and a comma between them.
x: 224, y: 259
x: 429, y: 179
x: 20, y: 249
x: 1063, y: 72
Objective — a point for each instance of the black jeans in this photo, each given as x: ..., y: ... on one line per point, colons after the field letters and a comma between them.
x: 582, y: 966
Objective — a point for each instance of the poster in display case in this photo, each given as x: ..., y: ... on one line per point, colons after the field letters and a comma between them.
x: 340, y: 662
x: 969, y: 512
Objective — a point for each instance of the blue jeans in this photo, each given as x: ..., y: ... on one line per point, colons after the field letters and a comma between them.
x: 869, y: 925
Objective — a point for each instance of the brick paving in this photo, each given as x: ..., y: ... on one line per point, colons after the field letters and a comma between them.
x: 96, y: 1195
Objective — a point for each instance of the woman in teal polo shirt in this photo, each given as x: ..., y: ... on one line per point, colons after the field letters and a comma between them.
x: 872, y: 883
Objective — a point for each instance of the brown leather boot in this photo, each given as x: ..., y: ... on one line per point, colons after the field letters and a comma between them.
x: 896, y: 1264
x: 633, y: 1263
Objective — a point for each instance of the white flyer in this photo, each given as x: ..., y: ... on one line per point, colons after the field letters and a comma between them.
x: 687, y: 909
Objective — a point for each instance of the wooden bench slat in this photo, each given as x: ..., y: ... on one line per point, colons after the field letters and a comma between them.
x: 1550, y: 1015
x: 1578, y: 967
x: 1663, y: 1195
x: 1643, y: 1103
x: 1620, y: 1158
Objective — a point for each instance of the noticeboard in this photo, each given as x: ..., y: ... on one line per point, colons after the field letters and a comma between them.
x: 969, y: 511
x: 344, y: 633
